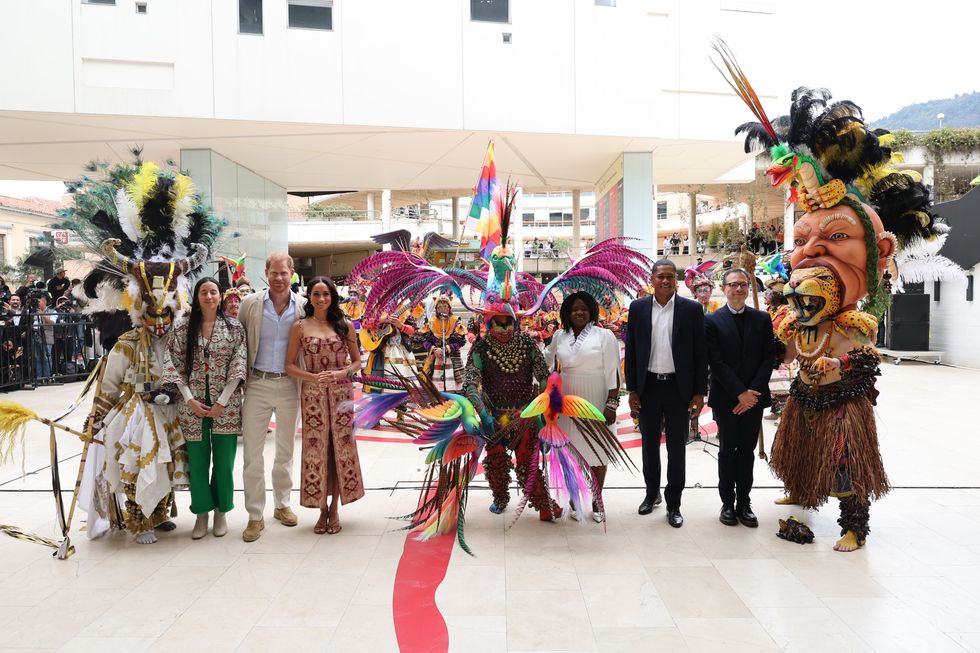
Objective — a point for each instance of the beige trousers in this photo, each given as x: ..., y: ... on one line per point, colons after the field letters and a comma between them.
x: 263, y: 397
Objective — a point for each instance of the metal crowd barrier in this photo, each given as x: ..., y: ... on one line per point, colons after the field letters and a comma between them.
x: 46, y: 349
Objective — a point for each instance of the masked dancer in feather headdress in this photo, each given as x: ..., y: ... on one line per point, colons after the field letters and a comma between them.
x: 152, y: 233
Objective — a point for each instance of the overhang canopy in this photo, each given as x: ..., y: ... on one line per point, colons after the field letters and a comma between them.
x: 305, y: 157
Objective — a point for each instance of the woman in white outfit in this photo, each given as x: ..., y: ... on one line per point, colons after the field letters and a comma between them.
x: 588, y: 359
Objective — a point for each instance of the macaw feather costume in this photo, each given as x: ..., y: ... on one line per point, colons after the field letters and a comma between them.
x: 506, y: 391
x: 152, y: 233
x: 843, y: 176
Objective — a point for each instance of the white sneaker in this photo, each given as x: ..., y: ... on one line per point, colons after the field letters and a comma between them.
x: 598, y: 517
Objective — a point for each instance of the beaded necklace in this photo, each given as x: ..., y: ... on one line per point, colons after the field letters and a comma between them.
x: 508, y: 356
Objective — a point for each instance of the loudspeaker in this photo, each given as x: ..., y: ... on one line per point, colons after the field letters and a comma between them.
x: 908, y: 323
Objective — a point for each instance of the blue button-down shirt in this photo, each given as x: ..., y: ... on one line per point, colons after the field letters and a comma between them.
x: 274, y: 337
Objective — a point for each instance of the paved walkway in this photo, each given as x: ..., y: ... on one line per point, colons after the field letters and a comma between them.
x: 638, y: 586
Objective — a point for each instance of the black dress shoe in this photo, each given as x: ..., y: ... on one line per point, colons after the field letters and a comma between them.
x: 727, y: 516
x: 746, y: 517
x: 649, y: 504
x: 674, y: 518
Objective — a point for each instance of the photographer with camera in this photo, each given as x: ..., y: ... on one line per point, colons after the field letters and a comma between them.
x: 42, y: 319
x: 11, y: 343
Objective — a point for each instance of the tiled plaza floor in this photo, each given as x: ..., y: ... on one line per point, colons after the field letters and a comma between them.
x: 638, y: 586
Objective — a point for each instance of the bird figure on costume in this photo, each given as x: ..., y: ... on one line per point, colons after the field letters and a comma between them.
x: 860, y: 212
x: 564, y: 462
x: 152, y: 233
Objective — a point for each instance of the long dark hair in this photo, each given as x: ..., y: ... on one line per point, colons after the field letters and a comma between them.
x: 565, y: 312
x: 194, y: 322
x: 335, y: 316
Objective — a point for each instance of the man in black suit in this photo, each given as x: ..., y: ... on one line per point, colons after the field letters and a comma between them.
x: 740, y: 352
x: 666, y: 375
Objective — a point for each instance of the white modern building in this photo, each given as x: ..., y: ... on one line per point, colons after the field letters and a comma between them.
x: 258, y: 99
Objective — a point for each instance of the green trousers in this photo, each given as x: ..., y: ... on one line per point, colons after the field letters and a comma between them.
x: 214, y: 452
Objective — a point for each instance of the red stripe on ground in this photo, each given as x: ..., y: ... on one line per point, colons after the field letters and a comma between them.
x: 419, y: 626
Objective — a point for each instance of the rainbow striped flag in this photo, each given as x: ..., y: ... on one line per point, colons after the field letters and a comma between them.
x: 485, y: 209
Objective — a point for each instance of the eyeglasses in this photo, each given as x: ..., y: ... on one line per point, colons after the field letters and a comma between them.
x: 737, y: 285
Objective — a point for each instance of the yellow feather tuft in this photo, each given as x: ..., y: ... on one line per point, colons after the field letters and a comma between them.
x: 142, y: 185
x: 183, y: 186
x: 13, y: 420
x: 887, y: 139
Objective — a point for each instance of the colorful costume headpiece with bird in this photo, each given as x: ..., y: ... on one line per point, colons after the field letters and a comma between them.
x: 830, y: 158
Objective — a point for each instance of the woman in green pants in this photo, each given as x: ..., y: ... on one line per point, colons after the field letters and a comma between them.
x: 206, y: 360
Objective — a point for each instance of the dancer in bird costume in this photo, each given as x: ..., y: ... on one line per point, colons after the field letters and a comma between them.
x: 442, y: 338
x: 152, y: 233
x: 859, y: 213
x: 505, y: 370
x: 698, y: 280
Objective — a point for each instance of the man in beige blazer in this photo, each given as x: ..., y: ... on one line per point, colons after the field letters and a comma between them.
x: 267, y: 317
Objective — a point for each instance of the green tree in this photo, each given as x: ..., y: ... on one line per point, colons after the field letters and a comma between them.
x: 321, y: 211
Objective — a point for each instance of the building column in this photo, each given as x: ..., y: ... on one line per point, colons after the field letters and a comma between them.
x: 386, y: 212
x: 576, y: 224
x: 789, y: 215
x: 370, y: 206
x: 455, y: 216
x: 692, y: 225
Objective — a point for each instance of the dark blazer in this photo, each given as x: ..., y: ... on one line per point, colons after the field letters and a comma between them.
x: 687, y: 344
x: 739, y: 365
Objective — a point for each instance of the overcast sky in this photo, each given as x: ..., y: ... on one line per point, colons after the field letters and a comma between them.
x: 882, y: 55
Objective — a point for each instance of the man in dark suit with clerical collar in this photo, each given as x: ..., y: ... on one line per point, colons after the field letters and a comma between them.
x: 740, y: 352
x: 666, y: 376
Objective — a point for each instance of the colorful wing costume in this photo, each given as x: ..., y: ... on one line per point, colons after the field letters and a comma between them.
x: 460, y: 428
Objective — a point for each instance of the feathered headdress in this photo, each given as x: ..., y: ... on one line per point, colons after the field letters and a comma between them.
x: 829, y: 156
x: 133, y: 216
x: 699, y: 275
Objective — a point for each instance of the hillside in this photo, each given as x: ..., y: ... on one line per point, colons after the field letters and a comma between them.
x: 960, y: 111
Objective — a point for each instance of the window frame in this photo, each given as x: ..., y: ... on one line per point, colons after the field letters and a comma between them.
x: 327, y: 4
x: 261, y: 31
x: 487, y: 20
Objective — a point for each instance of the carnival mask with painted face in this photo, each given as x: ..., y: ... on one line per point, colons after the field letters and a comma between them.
x: 702, y: 294
x: 443, y: 308
x: 834, y: 238
x: 155, y: 286
x: 814, y: 294
x: 502, y: 328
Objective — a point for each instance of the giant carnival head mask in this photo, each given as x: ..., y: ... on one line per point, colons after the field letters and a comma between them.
x: 859, y: 208
x: 152, y: 232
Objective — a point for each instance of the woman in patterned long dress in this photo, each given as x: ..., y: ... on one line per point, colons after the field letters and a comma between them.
x: 326, y: 344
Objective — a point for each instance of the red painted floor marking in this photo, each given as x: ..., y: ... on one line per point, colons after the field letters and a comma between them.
x: 419, y: 625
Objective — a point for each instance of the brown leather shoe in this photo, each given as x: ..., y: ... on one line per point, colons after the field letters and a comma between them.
x: 286, y: 516
x: 254, y: 530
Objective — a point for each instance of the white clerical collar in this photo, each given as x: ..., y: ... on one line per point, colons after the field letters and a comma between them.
x: 734, y: 312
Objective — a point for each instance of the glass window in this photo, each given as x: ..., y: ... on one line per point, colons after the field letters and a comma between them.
x: 554, y: 217
x: 311, y: 14
x: 527, y: 217
x: 583, y: 213
x: 3, y: 249
x: 493, y: 11
x: 249, y: 16
x: 661, y: 210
